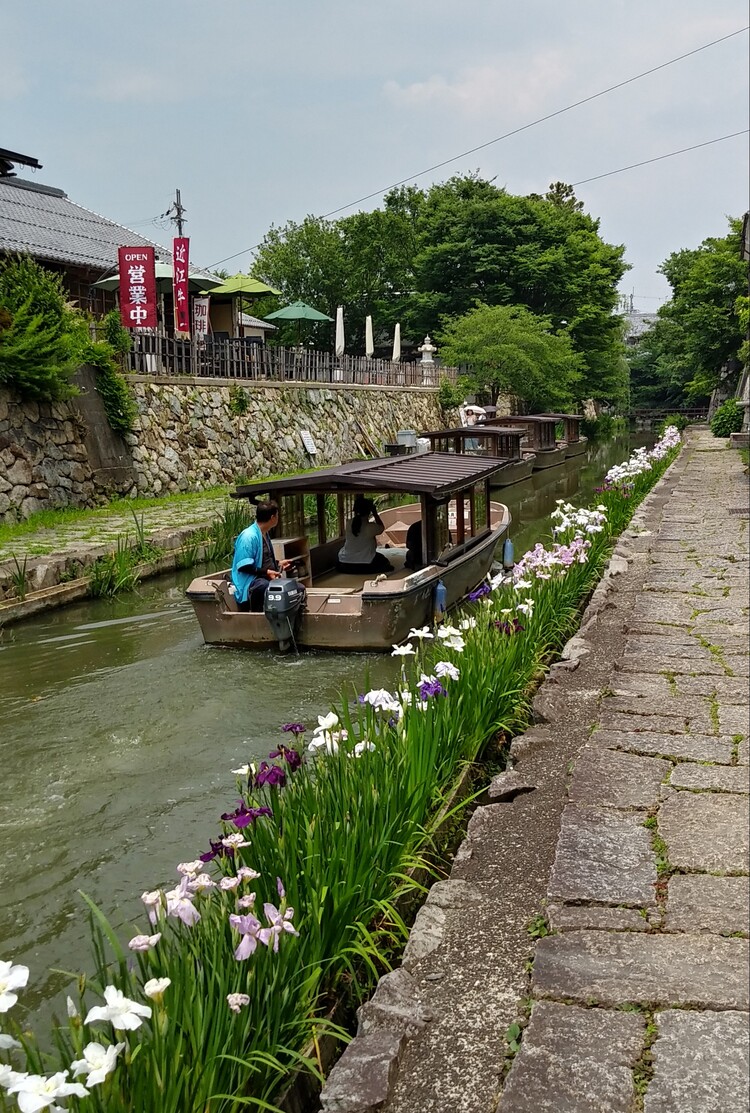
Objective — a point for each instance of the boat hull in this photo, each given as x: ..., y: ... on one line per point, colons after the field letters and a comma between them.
x: 375, y: 618
x: 512, y: 473
x: 548, y: 457
x: 576, y: 448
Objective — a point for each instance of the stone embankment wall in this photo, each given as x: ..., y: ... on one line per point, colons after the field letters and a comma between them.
x: 43, y: 458
x: 188, y: 436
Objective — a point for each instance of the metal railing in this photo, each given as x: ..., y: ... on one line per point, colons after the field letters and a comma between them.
x: 245, y: 359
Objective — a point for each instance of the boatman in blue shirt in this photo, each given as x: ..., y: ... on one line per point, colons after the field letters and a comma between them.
x: 254, y: 564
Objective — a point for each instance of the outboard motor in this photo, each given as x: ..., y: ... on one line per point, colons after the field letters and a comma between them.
x: 283, y: 602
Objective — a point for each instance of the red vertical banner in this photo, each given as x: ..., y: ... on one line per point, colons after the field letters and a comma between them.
x: 180, y: 260
x: 137, y: 287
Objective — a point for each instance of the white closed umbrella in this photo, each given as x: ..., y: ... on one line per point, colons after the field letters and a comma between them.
x: 369, y: 342
x: 396, y: 357
x: 340, y: 341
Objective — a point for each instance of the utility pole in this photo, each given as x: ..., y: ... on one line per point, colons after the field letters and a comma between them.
x: 176, y: 212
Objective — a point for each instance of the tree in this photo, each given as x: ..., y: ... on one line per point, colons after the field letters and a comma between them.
x: 511, y: 350
x: 698, y: 335
x: 426, y: 257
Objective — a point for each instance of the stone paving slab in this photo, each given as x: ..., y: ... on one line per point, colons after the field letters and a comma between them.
x: 706, y: 831
x: 719, y: 778
x: 574, y: 1060
x: 614, y: 968
x: 701, y: 1063
x: 698, y: 902
x: 605, y: 856
x: 616, y: 779
x: 734, y: 719
x: 661, y: 724
x: 683, y: 747
x: 595, y: 917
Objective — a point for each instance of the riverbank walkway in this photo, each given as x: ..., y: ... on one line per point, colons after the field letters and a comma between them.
x: 589, y: 951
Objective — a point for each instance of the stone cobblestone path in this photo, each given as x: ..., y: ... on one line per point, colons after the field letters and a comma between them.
x: 657, y: 823
x: 104, y: 526
x: 628, y: 830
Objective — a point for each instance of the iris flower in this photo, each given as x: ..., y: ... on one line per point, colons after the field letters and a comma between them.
x: 11, y: 978
x: 97, y: 1062
x: 124, y: 1014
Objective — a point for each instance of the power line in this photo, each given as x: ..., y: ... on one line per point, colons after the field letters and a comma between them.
x: 509, y: 134
x: 659, y: 158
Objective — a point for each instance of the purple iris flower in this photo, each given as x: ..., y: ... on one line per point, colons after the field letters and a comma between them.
x: 361, y: 698
x: 270, y: 775
x: 291, y: 757
x: 294, y: 728
x: 431, y: 688
x: 244, y: 816
x: 513, y: 627
x: 478, y: 592
x: 218, y: 850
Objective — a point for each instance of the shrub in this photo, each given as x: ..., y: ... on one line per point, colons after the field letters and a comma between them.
x: 38, y: 332
x: 450, y: 394
x: 727, y: 419
x: 679, y: 421
x: 598, y: 429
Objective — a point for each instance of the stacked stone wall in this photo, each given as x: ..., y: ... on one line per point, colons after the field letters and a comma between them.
x: 189, y: 436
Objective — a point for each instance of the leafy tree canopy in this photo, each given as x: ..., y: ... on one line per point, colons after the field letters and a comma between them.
x: 430, y: 256
x: 512, y: 350
x: 698, y: 334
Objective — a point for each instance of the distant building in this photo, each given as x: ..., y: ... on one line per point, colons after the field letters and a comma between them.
x: 637, y: 323
x: 41, y: 221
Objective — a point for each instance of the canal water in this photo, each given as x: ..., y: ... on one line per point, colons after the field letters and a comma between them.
x: 119, y: 728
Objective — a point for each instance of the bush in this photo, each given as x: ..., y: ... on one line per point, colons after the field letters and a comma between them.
x: 727, y: 419
x: 38, y: 332
x: 679, y: 421
x: 598, y: 429
x: 450, y: 394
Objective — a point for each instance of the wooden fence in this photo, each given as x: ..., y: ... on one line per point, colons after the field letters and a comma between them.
x: 245, y: 359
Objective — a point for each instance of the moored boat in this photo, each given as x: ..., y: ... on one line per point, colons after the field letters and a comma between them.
x: 460, y: 529
x: 487, y: 441
x: 572, y: 441
x: 539, y: 438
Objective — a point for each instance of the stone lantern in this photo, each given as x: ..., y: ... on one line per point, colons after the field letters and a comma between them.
x: 427, y: 348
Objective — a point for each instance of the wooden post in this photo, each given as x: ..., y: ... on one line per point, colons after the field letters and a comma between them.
x: 320, y: 504
x: 473, y: 511
x: 428, y: 528
x: 460, y: 523
x: 340, y: 512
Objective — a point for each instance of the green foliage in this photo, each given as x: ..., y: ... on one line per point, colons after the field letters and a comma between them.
x: 428, y: 256
x: 119, y: 404
x: 115, y: 335
x: 699, y: 332
x: 679, y: 421
x: 510, y: 350
x: 450, y: 394
x: 239, y: 401
x: 19, y: 577
x: 727, y: 419
x: 38, y: 332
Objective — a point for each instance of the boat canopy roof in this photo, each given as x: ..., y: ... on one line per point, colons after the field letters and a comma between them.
x: 541, y: 419
x: 439, y: 474
x: 563, y: 417
x: 484, y: 429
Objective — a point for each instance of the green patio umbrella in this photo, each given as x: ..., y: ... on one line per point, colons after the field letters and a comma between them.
x: 198, y: 280
x: 243, y: 284
x: 298, y: 311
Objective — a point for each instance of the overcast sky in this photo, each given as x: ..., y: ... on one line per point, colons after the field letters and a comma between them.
x: 263, y: 112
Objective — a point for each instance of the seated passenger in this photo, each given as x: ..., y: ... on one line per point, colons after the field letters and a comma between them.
x: 414, y: 547
x: 360, y: 551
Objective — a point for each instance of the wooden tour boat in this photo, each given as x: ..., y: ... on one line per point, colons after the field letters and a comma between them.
x: 461, y: 527
x: 572, y: 441
x: 487, y: 441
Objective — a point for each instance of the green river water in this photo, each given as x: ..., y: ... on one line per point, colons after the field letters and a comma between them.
x: 119, y: 728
